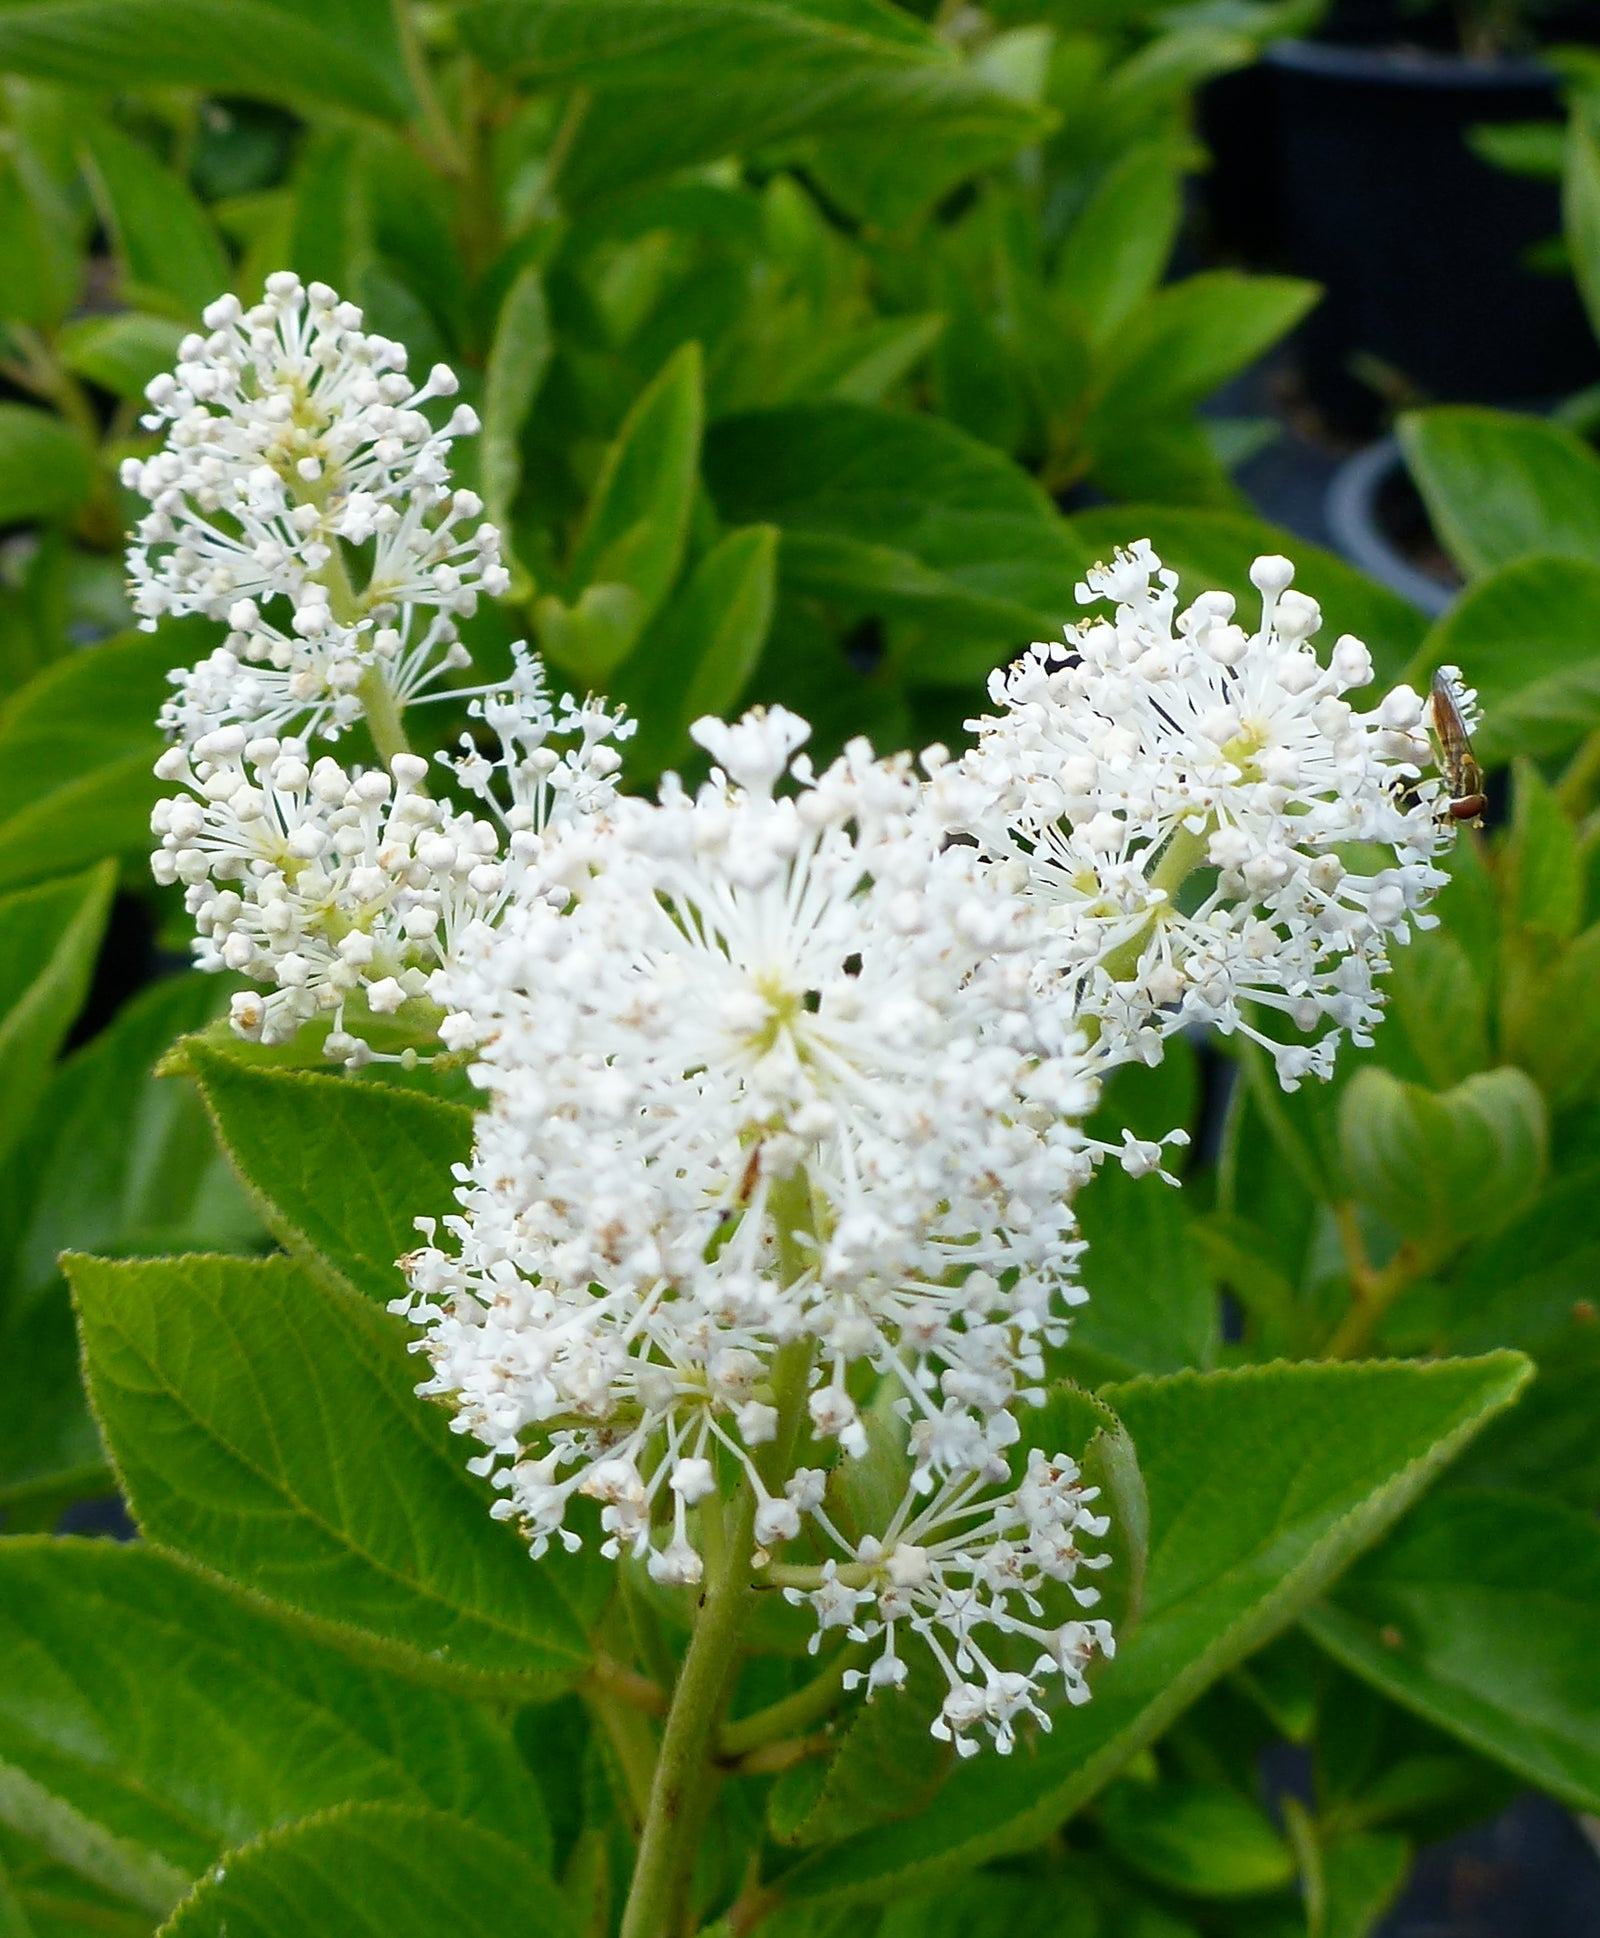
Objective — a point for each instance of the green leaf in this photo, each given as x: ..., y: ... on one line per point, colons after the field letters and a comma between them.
x: 375, y: 1871
x: 1580, y: 206
x: 1361, y: 1878
x: 1214, y: 549
x: 701, y: 652
x: 45, y: 470
x: 1116, y: 250
x: 117, y: 1160
x: 1443, y: 1167
x: 809, y: 68
x: 1480, y: 1615
x: 1152, y: 1307
x: 631, y: 542
x: 901, y: 515
x: 1188, y: 338
x: 52, y: 936
x: 265, y: 1425
x: 1263, y: 1483
x: 346, y: 53
x: 181, y: 1718
x: 1522, y: 637
x: 1437, y: 998
x: 41, y: 264
x: 341, y: 1170
x: 120, y: 353
x: 859, y: 366
x: 77, y: 746
x: 164, y: 239
x: 1543, y: 868
x: 518, y: 359
x: 1198, y: 1837
x: 1500, y: 487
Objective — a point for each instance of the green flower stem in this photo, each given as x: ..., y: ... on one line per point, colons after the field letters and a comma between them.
x: 686, y: 1774
x: 810, y: 1704
x: 1182, y: 855
x: 660, y: 1877
x: 383, y: 715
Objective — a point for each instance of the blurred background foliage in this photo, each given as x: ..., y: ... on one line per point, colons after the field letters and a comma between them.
x: 820, y: 345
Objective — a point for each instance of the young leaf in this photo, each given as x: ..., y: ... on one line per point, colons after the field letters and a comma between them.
x: 265, y: 1425
x: 293, y: 51
x: 76, y: 748
x: 702, y: 650
x: 631, y: 542
x: 1500, y: 487
x: 1361, y: 1878
x: 120, y: 353
x: 341, y: 1171
x: 518, y: 359
x: 804, y: 70
x: 52, y: 935
x: 896, y: 514
x: 1117, y: 248
x: 1199, y: 1837
x: 375, y: 1871
x: 1480, y: 1615
x: 1263, y: 1484
x: 1188, y: 338
x: 1443, y: 1168
x: 182, y: 1718
x: 1522, y: 637
x: 44, y: 467
x: 165, y: 241
x: 1214, y: 549
x: 1543, y: 882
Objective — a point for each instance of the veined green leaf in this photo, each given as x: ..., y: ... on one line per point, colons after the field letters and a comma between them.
x: 518, y: 359
x: 1263, y: 1484
x: 806, y: 68
x: 44, y: 467
x: 1524, y: 637
x: 265, y: 1425
x: 631, y: 542
x: 341, y: 1171
x: 165, y: 240
x: 375, y: 1871
x: 1500, y: 487
x: 52, y: 935
x: 1480, y: 1615
x: 120, y: 353
x: 343, y: 52
x: 181, y: 1718
x: 77, y: 745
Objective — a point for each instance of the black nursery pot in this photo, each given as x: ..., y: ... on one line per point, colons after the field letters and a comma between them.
x: 1419, y: 244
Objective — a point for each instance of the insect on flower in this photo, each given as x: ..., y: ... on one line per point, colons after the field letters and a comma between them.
x: 1450, y: 706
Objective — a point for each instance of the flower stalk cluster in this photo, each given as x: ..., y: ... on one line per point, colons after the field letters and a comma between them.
x: 786, y: 1077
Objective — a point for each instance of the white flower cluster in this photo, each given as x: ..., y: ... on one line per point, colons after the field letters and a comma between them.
x: 295, y: 442
x: 1159, y: 748
x: 774, y: 1097
x: 787, y: 1078
x: 297, y: 459
x: 323, y: 881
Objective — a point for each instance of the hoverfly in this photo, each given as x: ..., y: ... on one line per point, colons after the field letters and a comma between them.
x: 1463, y: 775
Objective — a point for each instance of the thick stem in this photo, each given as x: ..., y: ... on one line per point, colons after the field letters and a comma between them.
x: 1370, y: 1299
x: 383, y: 715
x: 654, y: 1901
x: 795, y: 1713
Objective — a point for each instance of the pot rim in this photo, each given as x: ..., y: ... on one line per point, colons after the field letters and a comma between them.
x: 1408, y: 67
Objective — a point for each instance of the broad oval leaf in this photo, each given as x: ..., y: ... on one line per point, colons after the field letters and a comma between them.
x: 52, y: 936
x: 1263, y: 1483
x: 340, y: 1170
x: 343, y: 52
x: 45, y: 469
x: 265, y: 1425
x: 1443, y: 1167
x: 165, y: 241
x: 375, y: 1871
x: 1481, y: 1614
x: 183, y: 1718
x: 1524, y: 637
x: 1199, y: 1837
x: 1500, y: 487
